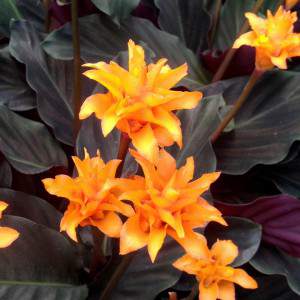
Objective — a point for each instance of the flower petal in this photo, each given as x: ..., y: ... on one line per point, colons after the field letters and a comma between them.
x: 193, y: 243
x: 224, y: 251
x: 145, y: 142
x: 98, y: 104
x: 3, y: 206
x: 156, y: 240
x: 245, y: 39
x: 257, y: 24
x: 208, y: 292
x: 226, y: 290
x: 186, y: 100
x: 132, y: 237
x: 7, y: 236
x: 243, y: 279
x: 110, y: 225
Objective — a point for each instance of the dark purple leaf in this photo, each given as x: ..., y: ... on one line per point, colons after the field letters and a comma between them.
x: 279, y: 216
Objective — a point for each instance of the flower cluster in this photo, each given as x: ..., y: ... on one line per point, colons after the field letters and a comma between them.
x: 273, y: 38
x: 165, y: 200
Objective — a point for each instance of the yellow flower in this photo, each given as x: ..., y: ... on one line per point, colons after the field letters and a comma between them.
x: 140, y: 101
x: 92, y: 196
x: 167, y: 202
x: 216, y: 278
x: 7, y: 235
x: 273, y: 39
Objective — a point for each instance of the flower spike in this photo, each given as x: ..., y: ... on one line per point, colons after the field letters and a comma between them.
x: 92, y: 196
x: 140, y: 101
x: 216, y: 278
x: 273, y: 38
x: 167, y: 202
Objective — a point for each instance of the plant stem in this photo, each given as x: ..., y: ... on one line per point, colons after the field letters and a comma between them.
x: 123, y: 149
x: 116, y: 276
x: 215, y: 21
x: 230, y: 54
x: 48, y: 15
x: 237, y: 106
x: 77, y: 68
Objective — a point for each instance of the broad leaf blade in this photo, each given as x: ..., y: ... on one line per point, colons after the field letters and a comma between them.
x: 53, y: 105
x: 27, y: 145
x: 15, y: 93
x: 102, y: 39
x: 30, y: 207
x: 117, y: 9
x: 186, y: 19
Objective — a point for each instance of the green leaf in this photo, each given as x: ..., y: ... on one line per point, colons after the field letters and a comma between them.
x: 30, y: 207
x: 32, y: 10
x: 102, y: 39
x: 117, y: 9
x: 265, y: 127
x: 269, y: 288
x: 231, y: 21
x: 5, y: 174
x: 197, y: 126
x: 53, y: 102
x: 15, y: 93
x: 270, y: 260
x: 27, y: 145
x: 12, y: 291
x: 40, y: 261
x: 8, y: 11
x: 243, y: 232
x: 144, y: 279
x: 186, y: 19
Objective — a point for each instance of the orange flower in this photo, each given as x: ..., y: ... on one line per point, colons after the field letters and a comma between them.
x: 7, y: 235
x: 139, y: 102
x: 290, y: 3
x: 92, y: 196
x: 216, y: 278
x: 167, y: 202
x: 273, y: 39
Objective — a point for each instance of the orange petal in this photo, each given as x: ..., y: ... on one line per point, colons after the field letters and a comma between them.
x: 153, y: 73
x: 3, y: 206
x: 163, y: 137
x: 187, y: 100
x: 132, y: 237
x: 107, y: 79
x: 290, y: 3
x: 243, y: 279
x: 280, y: 61
x: 166, y: 165
x: 226, y: 290
x: 187, y: 264
x: 208, y: 292
x: 169, y: 121
x: 98, y: 104
x: 262, y: 60
x: 167, y: 79
x: 185, y: 173
x: 225, y: 251
x: 193, y: 243
x: 257, y: 24
x: 136, y: 64
x: 109, y: 121
x: 70, y: 221
x: 145, y: 142
x: 156, y: 240
x: 110, y: 225
x: 7, y: 236
x: 245, y: 39
x: 204, y: 181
